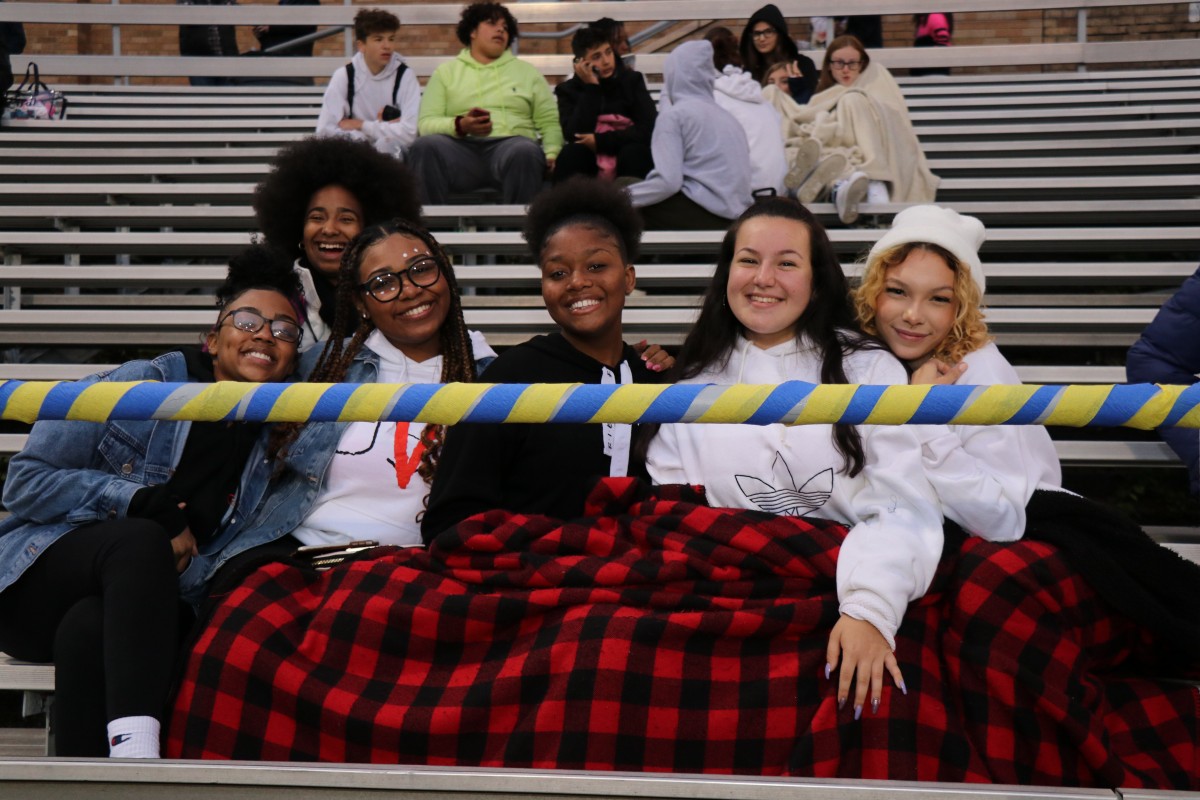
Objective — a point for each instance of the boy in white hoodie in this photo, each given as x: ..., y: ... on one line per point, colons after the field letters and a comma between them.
x: 374, y: 98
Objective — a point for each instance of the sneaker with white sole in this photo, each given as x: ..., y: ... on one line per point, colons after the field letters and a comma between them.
x: 808, y: 153
x: 847, y: 194
x: 877, y: 192
x: 825, y: 173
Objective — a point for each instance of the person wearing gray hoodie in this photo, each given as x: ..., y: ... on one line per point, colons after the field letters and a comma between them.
x: 701, y: 175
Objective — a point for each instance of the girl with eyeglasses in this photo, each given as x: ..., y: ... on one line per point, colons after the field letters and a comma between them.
x: 105, y: 517
x: 397, y: 319
x: 765, y: 41
x: 854, y: 140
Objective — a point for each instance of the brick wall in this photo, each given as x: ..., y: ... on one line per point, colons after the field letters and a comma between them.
x: 1164, y: 21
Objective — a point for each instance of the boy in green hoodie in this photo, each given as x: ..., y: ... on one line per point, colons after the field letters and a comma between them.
x: 482, y: 115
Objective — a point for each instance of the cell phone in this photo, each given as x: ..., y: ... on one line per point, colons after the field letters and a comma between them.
x: 322, y: 549
x: 390, y: 113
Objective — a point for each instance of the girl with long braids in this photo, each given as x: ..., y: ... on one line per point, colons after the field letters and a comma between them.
x: 398, y: 319
x: 777, y: 310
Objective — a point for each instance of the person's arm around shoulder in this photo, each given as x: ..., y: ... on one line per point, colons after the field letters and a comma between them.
x: 65, y: 471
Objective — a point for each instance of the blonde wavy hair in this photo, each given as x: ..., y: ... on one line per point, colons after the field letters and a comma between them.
x: 968, y: 333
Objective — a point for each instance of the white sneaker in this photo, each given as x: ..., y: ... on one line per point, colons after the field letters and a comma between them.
x: 825, y: 173
x: 877, y: 192
x: 808, y: 153
x: 848, y: 194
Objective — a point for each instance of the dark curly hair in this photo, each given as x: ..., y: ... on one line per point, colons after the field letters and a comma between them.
x: 350, y: 329
x: 374, y: 20
x: 590, y: 201
x: 476, y: 13
x: 258, y: 266
x: 384, y: 186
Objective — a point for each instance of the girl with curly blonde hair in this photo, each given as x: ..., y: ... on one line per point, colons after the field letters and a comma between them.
x: 922, y: 294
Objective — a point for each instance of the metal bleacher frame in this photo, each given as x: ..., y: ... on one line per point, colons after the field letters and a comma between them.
x: 143, y: 186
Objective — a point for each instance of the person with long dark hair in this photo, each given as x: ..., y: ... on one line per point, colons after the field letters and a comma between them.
x: 105, y: 517
x: 778, y: 310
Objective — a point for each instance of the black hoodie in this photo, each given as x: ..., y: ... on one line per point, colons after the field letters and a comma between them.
x: 785, y: 50
x: 624, y: 92
x: 535, y: 469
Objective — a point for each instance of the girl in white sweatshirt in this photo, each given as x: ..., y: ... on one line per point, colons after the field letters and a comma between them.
x: 778, y: 309
x: 921, y: 293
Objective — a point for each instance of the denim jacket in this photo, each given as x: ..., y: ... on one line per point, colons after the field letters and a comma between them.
x: 74, y: 473
x: 295, y: 491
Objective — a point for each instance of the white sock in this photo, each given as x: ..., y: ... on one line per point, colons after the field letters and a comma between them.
x: 133, y: 737
x: 877, y: 192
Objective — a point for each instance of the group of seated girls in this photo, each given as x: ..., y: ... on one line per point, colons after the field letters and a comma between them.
x: 112, y: 523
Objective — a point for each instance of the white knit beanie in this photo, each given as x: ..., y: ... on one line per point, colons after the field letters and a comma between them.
x: 945, y: 227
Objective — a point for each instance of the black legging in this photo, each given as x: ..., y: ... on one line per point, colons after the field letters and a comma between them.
x: 102, y: 603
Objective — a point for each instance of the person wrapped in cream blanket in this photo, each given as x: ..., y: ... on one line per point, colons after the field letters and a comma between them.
x: 854, y: 139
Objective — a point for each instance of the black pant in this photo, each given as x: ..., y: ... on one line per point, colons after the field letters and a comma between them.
x: 102, y: 603
x: 633, y: 161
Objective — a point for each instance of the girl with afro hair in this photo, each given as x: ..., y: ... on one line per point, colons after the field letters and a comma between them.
x: 320, y: 194
x: 584, y: 235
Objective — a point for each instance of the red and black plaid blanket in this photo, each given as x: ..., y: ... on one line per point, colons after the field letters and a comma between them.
x: 664, y: 635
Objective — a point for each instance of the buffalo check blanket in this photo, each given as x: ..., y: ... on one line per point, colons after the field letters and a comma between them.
x: 661, y: 634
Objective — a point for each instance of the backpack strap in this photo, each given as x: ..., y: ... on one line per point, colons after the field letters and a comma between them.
x: 349, y: 89
x: 396, y: 86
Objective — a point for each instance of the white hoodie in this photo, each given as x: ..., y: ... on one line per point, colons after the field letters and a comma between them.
x: 740, y: 95
x: 371, y: 94
x: 984, y: 475
x: 890, y: 555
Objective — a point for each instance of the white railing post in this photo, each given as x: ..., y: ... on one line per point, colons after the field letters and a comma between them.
x: 1081, y: 22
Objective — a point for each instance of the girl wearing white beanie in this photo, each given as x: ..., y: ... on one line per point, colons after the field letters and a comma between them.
x: 921, y: 293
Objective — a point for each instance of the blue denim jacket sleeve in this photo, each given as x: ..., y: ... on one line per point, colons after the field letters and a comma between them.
x: 79, y: 472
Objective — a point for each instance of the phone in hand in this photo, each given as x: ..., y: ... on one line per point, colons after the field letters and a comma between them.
x: 390, y: 113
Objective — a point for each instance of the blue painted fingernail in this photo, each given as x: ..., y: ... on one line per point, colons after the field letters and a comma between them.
x: 841, y: 703
x: 903, y: 690
x: 875, y: 705
x: 828, y: 671
x: 858, y: 712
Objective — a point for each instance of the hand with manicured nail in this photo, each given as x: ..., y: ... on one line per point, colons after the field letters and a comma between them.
x: 863, y: 654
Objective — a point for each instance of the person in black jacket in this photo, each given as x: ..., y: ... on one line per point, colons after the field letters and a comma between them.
x: 12, y: 42
x: 584, y: 235
x: 606, y: 112
x: 765, y: 42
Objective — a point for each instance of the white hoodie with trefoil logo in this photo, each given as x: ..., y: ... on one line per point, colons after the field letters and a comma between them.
x: 890, y: 555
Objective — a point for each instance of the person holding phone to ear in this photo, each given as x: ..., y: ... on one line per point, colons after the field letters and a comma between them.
x: 606, y: 112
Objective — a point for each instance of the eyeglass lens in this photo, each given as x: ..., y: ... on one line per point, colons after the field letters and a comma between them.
x: 387, y: 286
x: 251, y: 322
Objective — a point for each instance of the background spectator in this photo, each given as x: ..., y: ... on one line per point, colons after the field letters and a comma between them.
x: 606, y: 112
x: 208, y: 40
x: 932, y: 30
x: 482, y: 115
x: 374, y: 98
x: 1169, y: 352
x: 274, y: 35
x: 765, y: 41
x: 740, y: 95
x: 701, y: 176
x: 12, y: 42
